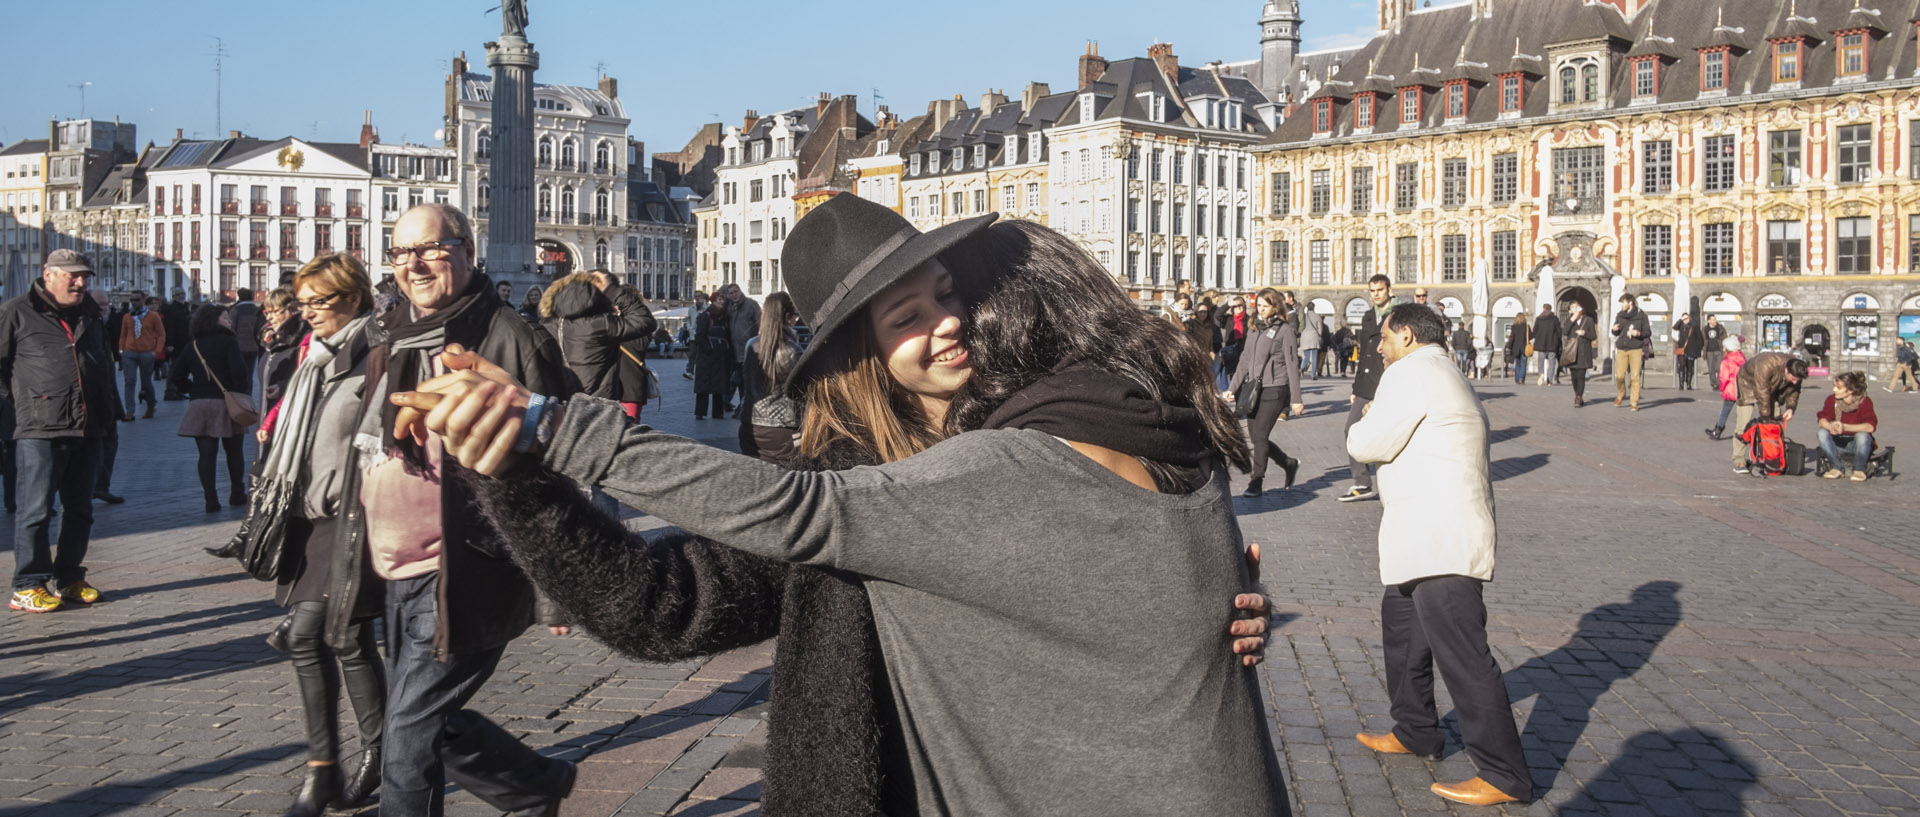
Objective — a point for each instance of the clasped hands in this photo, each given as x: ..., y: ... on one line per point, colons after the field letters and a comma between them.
x: 476, y: 408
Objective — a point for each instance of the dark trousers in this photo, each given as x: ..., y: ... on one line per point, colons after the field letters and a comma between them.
x: 1443, y: 621
x: 10, y: 473
x: 1362, y: 476
x: 109, y: 451
x: 210, y: 448
x: 63, y: 467
x: 319, y: 669
x: 1273, y: 403
x: 1579, y: 382
x: 430, y: 739
x: 1683, y: 370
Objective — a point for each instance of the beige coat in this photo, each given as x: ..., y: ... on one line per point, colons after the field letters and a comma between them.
x: 1428, y: 433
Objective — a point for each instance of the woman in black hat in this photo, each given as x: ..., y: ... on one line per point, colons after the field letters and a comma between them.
x: 981, y: 640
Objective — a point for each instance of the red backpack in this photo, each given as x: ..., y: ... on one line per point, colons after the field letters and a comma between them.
x: 1766, y: 443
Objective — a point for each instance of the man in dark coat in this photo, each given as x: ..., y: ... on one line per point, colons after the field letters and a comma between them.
x: 453, y: 600
x: 593, y: 317
x: 246, y: 319
x: 55, y: 371
x: 1713, y: 338
x: 1519, y: 336
x: 173, y: 318
x: 1632, y: 337
x: 1546, y: 344
x: 1367, y: 379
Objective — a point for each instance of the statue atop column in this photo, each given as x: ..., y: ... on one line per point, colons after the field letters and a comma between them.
x: 513, y: 18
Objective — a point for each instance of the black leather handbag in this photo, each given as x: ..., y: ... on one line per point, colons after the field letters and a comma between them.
x: 1246, y: 399
x: 261, y: 541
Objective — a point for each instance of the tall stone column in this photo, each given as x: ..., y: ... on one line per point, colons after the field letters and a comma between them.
x: 510, y: 250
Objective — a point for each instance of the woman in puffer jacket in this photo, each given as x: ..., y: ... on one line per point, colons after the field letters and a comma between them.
x: 1729, y: 375
x: 591, y: 316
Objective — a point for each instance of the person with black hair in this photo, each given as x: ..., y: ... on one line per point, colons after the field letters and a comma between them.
x: 1270, y: 360
x: 1428, y: 433
x: 1367, y: 378
x: 1768, y: 387
x: 209, y: 366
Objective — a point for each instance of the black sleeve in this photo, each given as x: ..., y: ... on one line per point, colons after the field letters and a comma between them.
x: 180, y: 368
x: 675, y: 597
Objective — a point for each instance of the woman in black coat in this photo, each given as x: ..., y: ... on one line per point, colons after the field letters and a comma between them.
x: 1576, y: 354
x: 713, y: 375
x: 591, y: 316
x: 208, y: 366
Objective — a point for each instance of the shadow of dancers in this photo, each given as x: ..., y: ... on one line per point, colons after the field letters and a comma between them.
x: 1684, y: 771
x: 1614, y: 642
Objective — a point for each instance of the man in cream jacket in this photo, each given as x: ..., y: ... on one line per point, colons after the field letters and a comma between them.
x: 1428, y: 434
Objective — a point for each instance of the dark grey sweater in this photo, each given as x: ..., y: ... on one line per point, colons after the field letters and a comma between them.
x: 1053, y: 634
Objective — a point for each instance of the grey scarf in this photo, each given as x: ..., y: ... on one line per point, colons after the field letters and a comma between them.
x: 301, y: 403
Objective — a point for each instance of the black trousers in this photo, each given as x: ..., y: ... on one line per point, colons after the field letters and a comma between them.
x: 320, y: 669
x: 1683, y: 366
x: 1360, y: 471
x: 1443, y: 621
x: 1579, y: 382
x: 1273, y: 403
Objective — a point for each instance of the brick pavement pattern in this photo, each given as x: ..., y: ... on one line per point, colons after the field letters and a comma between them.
x: 1678, y: 640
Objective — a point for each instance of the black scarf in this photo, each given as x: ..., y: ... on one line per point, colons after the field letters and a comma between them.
x: 1088, y: 405
x: 404, y: 340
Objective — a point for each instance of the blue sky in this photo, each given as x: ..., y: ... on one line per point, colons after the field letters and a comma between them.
x: 309, y: 69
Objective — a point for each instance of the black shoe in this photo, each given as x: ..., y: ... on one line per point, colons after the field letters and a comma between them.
x: 230, y: 550
x: 1713, y: 433
x: 551, y: 808
x: 363, y: 782
x: 213, y: 502
x: 1292, y: 467
x: 1253, y: 489
x: 108, y: 497
x: 237, y: 499
x: 150, y: 409
x: 277, y: 640
x: 321, y: 788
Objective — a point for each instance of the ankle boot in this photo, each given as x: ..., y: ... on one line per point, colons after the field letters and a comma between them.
x: 277, y: 640
x: 362, y: 783
x: 213, y: 501
x: 321, y: 788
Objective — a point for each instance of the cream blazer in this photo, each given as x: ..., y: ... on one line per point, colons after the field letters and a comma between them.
x: 1428, y: 433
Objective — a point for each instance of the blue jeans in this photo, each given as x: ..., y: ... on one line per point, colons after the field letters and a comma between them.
x: 1520, y: 369
x: 1726, y: 408
x: 136, y: 368
x: 425, y: 697
x: 1310, y: 363
x: 1858, y: 444
x: 62, y: 467
x: 1462, y: 358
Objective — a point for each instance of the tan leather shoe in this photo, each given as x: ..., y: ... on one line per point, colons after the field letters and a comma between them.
x: 1385, y: 743
x: 1474, y: 792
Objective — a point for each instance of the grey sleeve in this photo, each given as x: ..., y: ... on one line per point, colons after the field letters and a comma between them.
x: 878, y: 521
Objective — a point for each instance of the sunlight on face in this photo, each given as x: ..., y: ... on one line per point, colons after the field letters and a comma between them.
x: 918, y: 323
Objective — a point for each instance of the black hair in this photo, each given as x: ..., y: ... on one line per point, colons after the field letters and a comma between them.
x: 1426, y: 326
x: 244, y: 294
x: 1055, y: 303
x: 1797, y: 368
x: 206, y: 321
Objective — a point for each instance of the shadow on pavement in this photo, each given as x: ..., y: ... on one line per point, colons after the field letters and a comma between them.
x: 1614, y: 642
x: 1685, y: 771
x: 201, y: 620
x: 135, y: 794
x: 1501, y: 435
x: 728, y: 803
x: 1665, y: 401
x: 1511, y: 467
x: 192, y: 663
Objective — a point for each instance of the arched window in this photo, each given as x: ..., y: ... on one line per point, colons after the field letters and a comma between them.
x: 546, y: 202
x: 546, y: 151
x: 567, y: 154
x: 600, y: 253
x: 1590, y: 83
x: 566, y: 204
x: 600, y: 205
x: 602, y: 158
x: 483, y: 194
x: 1567, y: 86
x: 483, y: 144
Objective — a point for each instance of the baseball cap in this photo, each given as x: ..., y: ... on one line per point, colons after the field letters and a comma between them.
x: 71, y: 261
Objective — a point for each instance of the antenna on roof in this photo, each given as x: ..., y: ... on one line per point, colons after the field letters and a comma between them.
x: 219, y: 54
x: 600, y: 68
x: 82, y: 88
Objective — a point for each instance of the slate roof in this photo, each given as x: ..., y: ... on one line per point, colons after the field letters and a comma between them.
x: 128, y: 177
x: 1517, y: 34
x: 25, y: 147
x: 197, y: 153
x: 970, y: 127
x: 476, y: 87
x: 648, y: 204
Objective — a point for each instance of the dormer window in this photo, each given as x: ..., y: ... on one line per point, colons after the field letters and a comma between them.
x: 979, y: 155
x: 1850, y: 57
x: 916, y: 164
x: 1510, y: 93
x: 1034, y: 146
x: 1646, y: 77
x: 1457, y: 99
x: 1156, y: 106
x: 1579, y: 81
x: 1233, y: 116
x: 1013, y: 150
x: 1322, y: 116
x: 1786, y: 61
x: 1410, y: 105
x: 1713, y: 69
x: 1363, y: 111
x: 1086, y: 107
x: 933, y: 161
x: 959, y: 158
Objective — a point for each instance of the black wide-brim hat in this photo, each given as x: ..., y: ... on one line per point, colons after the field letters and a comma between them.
x: 845, y: 252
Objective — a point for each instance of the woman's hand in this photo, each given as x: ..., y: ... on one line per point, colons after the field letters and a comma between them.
x: 476, y: 408
x: 1250, y: 633
x: 1299, y: 409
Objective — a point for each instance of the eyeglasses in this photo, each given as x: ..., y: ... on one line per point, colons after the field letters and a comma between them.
x: 322, y: 302
x: 428, y: 251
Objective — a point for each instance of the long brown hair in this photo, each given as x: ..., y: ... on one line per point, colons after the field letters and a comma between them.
x: 850, y: 395
x: 776, y: 338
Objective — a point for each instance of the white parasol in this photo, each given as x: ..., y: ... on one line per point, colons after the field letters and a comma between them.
x: 1543, y: 294
x: 1682, y: 294
x: 1482, y: 295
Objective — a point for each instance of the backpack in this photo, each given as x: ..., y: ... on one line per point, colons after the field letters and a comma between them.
x: 1766, y: 441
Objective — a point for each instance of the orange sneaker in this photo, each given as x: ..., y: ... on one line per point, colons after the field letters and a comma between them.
x: 34, y: 600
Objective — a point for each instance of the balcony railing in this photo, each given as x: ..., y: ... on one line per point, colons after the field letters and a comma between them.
x: 289, y: 254
x: 356, y: 211
x: 323, y: 211
x: 288, y: 209
x: 389, y: 214
x: 258, y: 208
x: 230, y: 207
x: 544, y: 164
x: 1576, y: 205
x: 566, y: 165
x: 546, y: 216
x: 229, y: 251
x: 603, y: 168
x: 480, y: 211
x: 257, y: 253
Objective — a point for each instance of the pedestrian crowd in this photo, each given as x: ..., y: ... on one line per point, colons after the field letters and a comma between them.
x: 440, y: 469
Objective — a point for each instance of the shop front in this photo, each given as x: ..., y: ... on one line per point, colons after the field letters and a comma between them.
x: 1775, y: 316
x: 1859, y: 342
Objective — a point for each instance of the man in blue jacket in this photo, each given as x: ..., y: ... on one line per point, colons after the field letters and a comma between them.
x: 57, y: 374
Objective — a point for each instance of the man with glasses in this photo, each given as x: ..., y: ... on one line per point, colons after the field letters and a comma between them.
x: 453, y: 601
x: 56, y: 373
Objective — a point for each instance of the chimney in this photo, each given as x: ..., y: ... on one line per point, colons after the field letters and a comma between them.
x: 234, y: 134
x: 849, y: 111
x: 367, y: 137
x: 1030, y: 97
x: 820, y: 105
x: 179, y: 134
x: 1092, y: 65
x: 752, y: 118
x: 460, y: 65
x: 883, y: 118
x: 1162, y: 55
x: 990, y: 100
x: 610, y: 87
